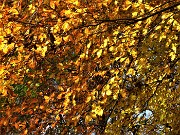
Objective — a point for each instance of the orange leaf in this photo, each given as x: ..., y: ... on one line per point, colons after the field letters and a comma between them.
x: 16, y: 125
x: 46, y: 99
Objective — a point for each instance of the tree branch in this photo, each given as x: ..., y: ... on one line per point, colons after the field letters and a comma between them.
x: 135, y: 20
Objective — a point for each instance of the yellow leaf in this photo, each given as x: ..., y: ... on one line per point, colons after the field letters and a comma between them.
x: 75, y: 2
x: 93, y: 115
x: 3, y: 91
x: 99, y: 53
x: 5, y: 48
x: 46, y: 99
x: 134, y: 53
x: 31, y: 8
x: 161, y: 77
x: 176, y: 24
x: 53, y: 16
x: 44, y: 49
x: 134, y: 14
x: 66, y: 26
x: 42, y: 36
x: 17, y: 27
x: 112, y: 80
x: 148, y: 22
x: 108, y: 92
x: 98, y: 110
x: 74, y: 102
x: 82, y: 55
x: 178, y: 7
x: 14, y: 11
x: 162, y: 36
x: 1, y: 16
x: 174, y: 47
x: 41, y: 50
x: 87, y: 32
x: 66, y: 102
x: 172, y: 55
x: 170, y: 21
x: 116, y: 2
x: 8, y: 31
x: 158, y: 27
x: 145, y: 31
x: 88, y: 118
x: 59, y: 96
x: 131, y: 71
x: 11, y: 46
x: 133, y: 97
x: 89, y: 45
x: 77, y: 80
x: 66, y: 39
x: 166, y: 15
x: 148, y: 7
x: 115, y: 96
x: 123, y: 93
x: 127, y: 5
x: 67, y: 12
x: 52, y: 4
x: 25, y: 132
x: 123, y: 59
x: 88, y: 99
x: 112, y: 48
x: 1, y: 70
x: 107, y: 1
x: 106, y: 87
x: 105, y: 43
x: 58, y: 41
x: 57, y: 117
x: 56, y: 28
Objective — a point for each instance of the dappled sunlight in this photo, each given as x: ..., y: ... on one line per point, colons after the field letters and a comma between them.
x: 89, y: 67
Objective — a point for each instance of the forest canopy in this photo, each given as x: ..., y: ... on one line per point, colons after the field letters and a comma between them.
x: 89, y: 67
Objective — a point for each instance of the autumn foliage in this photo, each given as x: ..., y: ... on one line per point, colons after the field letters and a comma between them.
x: 89, y: 66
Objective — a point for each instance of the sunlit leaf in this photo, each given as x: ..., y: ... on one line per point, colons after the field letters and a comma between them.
x: 88, y: 118
x: 127, y: 5
x: 14, y: 11
x: 174, y: 47
x: 66, y: 26
x: 98, y: 110
x: 52, y: 4
x: 172, y: 55
x: 99, y: 53
x: 163, y: 35
x: 88, y: 99
x: 131, y: 71
x: 112, y: 48
x: 32, y: 63
x: 57, y: 117
x: 2, y: 68
x: 134, y: 14
x: 108, y: 92
x: 31, y: 8
x: 166, y: 15
x: 106, y: 63
x: 46, y: 99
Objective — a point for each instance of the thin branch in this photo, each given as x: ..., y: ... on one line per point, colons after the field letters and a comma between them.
x: 153, y: 14
x: 134, y: 20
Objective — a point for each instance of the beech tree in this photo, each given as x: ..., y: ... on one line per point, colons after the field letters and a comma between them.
x: 89, y: 67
